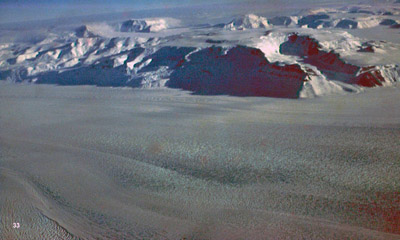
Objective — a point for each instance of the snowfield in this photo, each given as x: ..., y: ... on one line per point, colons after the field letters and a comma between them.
x: 252, y: 126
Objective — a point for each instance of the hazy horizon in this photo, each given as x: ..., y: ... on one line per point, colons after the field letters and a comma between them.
x: 27, y: 10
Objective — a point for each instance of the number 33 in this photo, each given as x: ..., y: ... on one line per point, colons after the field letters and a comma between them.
x: 16, y: 225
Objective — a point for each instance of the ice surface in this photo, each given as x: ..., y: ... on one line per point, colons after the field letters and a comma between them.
x: 165, y: 164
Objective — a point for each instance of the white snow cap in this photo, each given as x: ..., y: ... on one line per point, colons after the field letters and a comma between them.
x: 148, y: 25
x: 249, y: 21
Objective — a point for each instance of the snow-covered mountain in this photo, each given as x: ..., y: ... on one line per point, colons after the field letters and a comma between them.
x: 319, y: 18
x: 283, y: 56
x: 249, y: 21
x: 148, y: 25
x: 134, y: 25
x: 84, y: 32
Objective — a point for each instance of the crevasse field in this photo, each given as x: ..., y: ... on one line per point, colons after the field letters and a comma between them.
x: 266, y: 126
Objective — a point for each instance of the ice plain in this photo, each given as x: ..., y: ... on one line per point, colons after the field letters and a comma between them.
x: 163, y: 164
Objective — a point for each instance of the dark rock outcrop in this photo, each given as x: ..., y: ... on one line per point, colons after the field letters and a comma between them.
x: 83, y: 32
x: 280, y: 21
x: 356, y: 10
x: 388, y: 22
x: 311, y: 19
x: 395, y: 26
x: 219, y: 25
x: 212, y: 41
x: 300, y: 46
x: 101, y: 73
x: 387, y: 14
x: 323, y: 23
x: 241, y: 71
x: 347, y: 24
x: 367, y: 47
x: 369, y: 77
x: 330, y: 63
x: 134, y: 25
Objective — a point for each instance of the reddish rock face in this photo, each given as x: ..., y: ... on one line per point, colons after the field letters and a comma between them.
x: 370, y: 78
x: 330, y: 63
x: 300, y: 46
x: 366, y: 49
x: 395, y: 26
x: 242, y: 71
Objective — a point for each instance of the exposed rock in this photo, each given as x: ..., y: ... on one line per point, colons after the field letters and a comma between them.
x: 320, y: 23
x: 249, y: 21
x: 358, y: 10
x: 133, y: 25
x: 395, y: 26
x: 347, y: 24
x: 148, y: 24
x: 83, y: 32
x: 388, y: 22
x: 369, y: 77
x: 310, y: 19
x: 219, y: 25
x: 215, y: 41
x: 367, y: 47
x: 280, y: 21
x: 330, y: 63
x: 300, y: 46
x: 101, y: 73
x: 242, y: 71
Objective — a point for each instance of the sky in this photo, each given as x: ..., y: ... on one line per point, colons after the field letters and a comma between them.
x: 28, y: 10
